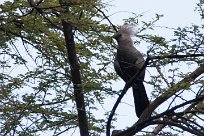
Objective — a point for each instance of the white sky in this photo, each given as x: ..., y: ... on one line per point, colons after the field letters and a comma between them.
x: 176, y: 13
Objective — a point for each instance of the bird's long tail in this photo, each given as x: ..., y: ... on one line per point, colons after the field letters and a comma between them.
x: 140, y: 97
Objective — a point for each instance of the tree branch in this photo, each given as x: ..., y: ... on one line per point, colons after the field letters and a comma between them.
x: 106, y: 17
x: 76, y: 77
x: 175, y: 56
x: 172, y: 123
x: 187, y: 110
x: 142, y: 122
x: 129, y: 83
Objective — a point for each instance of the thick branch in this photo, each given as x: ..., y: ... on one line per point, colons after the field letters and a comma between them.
x: 128, y: 84
x: 188, y: 109
x: 183, y: 127
x: 148, y: 111
x: 76, y: 77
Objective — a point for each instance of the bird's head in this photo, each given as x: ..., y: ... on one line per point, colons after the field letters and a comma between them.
x: 124, y: 34
x: 116, y: 36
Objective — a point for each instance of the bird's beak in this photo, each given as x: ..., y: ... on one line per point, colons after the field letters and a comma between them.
x: 116, y: 36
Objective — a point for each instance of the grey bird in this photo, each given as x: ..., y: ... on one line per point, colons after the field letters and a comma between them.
x: 128, y: 61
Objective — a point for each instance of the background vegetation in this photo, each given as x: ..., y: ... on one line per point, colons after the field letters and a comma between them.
x: 56, y: 66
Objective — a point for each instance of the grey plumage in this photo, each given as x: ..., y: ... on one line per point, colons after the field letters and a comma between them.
x: 129, y: 61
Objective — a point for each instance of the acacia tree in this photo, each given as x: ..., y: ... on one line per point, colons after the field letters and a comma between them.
x: 56, y: 59
x: 48, y: 76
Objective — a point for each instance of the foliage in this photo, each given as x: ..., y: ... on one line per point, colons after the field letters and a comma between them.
x: 37, y: 91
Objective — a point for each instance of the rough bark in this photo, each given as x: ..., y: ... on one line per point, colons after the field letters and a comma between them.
x: 76, y: 78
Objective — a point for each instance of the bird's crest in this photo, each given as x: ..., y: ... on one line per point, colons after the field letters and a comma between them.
x: 128, y: 30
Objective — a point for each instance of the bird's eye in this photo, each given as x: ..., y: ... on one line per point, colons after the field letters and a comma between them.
x: 119, y: 35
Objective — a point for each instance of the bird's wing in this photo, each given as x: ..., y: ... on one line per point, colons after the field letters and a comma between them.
x: 118, y: 69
